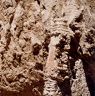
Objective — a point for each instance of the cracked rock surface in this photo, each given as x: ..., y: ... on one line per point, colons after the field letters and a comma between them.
x: 47, y: 48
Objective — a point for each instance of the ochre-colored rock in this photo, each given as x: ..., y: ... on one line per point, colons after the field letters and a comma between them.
x: 47, y: 48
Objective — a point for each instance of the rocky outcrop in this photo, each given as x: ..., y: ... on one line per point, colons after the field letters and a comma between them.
x: 47, y: 48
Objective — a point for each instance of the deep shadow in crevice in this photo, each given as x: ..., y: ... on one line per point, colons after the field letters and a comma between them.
x: 79, y: 18
x: 73, y: 72
x: 39, y: 66
x: 88, y: 73
x: 36, y: 49
x: 65, y: 87
x: 73, y: 53
x: 46, y: 43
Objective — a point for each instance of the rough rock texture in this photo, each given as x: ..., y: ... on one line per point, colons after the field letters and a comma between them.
x: 47, y: 48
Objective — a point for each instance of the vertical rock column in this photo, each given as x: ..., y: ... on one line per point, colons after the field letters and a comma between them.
x: 51, y: 87
x: 52, y: 69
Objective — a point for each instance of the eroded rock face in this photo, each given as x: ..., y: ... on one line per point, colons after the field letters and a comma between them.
x: 47, y: 48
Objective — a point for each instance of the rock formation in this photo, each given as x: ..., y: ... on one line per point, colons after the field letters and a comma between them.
x: 47, y: 48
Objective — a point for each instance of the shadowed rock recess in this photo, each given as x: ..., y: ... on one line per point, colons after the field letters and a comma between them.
x: 47, y: 47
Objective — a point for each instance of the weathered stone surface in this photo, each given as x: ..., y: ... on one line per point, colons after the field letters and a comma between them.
x: 47, y: 48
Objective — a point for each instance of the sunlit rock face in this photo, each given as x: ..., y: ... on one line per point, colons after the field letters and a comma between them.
x: 47, y: 48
